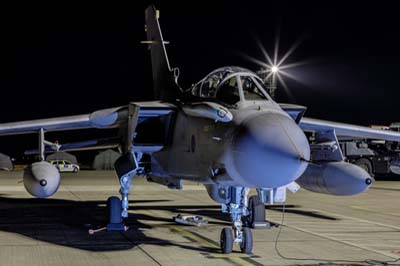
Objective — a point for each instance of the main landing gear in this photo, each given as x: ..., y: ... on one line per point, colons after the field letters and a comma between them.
x: 245, y: 214
x: 126, y: 168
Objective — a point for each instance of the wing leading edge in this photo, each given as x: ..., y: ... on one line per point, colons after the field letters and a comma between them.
x: 348, y: 130
x: 106, y: 118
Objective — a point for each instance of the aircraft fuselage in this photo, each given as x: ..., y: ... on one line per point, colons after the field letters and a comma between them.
x: 261, y: 147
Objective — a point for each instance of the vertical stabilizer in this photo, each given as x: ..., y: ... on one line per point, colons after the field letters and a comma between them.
x: 164, y: 85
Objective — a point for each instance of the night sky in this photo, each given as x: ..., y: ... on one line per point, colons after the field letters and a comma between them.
x: 73, y: 59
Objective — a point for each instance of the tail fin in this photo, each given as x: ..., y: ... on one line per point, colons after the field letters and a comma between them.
x: 164, y: 80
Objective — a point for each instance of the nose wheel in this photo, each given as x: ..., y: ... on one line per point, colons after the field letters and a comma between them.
x: 246, y: 246
x: 226, y: 241
x: 244, y: 238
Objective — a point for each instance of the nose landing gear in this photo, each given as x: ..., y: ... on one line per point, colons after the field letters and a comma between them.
x: 239, y: 234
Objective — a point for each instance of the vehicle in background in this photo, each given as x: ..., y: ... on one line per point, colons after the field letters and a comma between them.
x: 377, y: 157
x: 65, y: 166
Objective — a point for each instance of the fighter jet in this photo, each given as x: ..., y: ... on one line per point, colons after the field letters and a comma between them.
x: 225, y: 132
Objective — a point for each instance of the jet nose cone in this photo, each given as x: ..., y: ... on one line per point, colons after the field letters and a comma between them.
x: 270, y: 150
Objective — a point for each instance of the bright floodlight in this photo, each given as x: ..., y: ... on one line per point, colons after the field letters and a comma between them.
x: 274, y: 69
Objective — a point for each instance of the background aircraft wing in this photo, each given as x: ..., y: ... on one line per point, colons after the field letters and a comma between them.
x: 106, y: 118
x: 348, y: 130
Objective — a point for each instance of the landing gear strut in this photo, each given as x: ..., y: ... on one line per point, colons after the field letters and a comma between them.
x: 117, y: 209
x: 239, y: 234
x: 126, y: 167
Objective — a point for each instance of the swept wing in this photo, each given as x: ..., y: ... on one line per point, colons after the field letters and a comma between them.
x: 348, y: 130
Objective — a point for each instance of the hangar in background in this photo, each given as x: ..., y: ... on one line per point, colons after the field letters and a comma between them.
x: 5, y: 162
x: 105, y: 160
x: 62, y: 156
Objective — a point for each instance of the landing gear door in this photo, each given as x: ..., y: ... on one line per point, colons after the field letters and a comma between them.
x: 133, y: 115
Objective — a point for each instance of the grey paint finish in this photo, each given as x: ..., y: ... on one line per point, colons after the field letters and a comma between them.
x: 335, y: 178
x: 269, y: 150
x: 41, y: 179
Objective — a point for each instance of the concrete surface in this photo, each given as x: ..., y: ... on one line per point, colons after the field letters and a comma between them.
x: 346, y: 230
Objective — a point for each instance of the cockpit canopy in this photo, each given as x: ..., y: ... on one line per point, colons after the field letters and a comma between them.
x: 231, y: 85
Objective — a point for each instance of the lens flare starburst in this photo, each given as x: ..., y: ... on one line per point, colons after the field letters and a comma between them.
x: 273, y: 69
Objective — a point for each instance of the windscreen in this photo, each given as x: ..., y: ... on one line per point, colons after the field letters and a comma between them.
x: 228, y: 92
x: 251, y: 90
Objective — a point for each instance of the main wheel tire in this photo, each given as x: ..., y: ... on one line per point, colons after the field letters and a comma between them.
x: 226, y: 241
x: 256, y: 211
x: 114, y: 207
x: 75, y: 170
x: 247, y: 241
x: 364, y: 164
